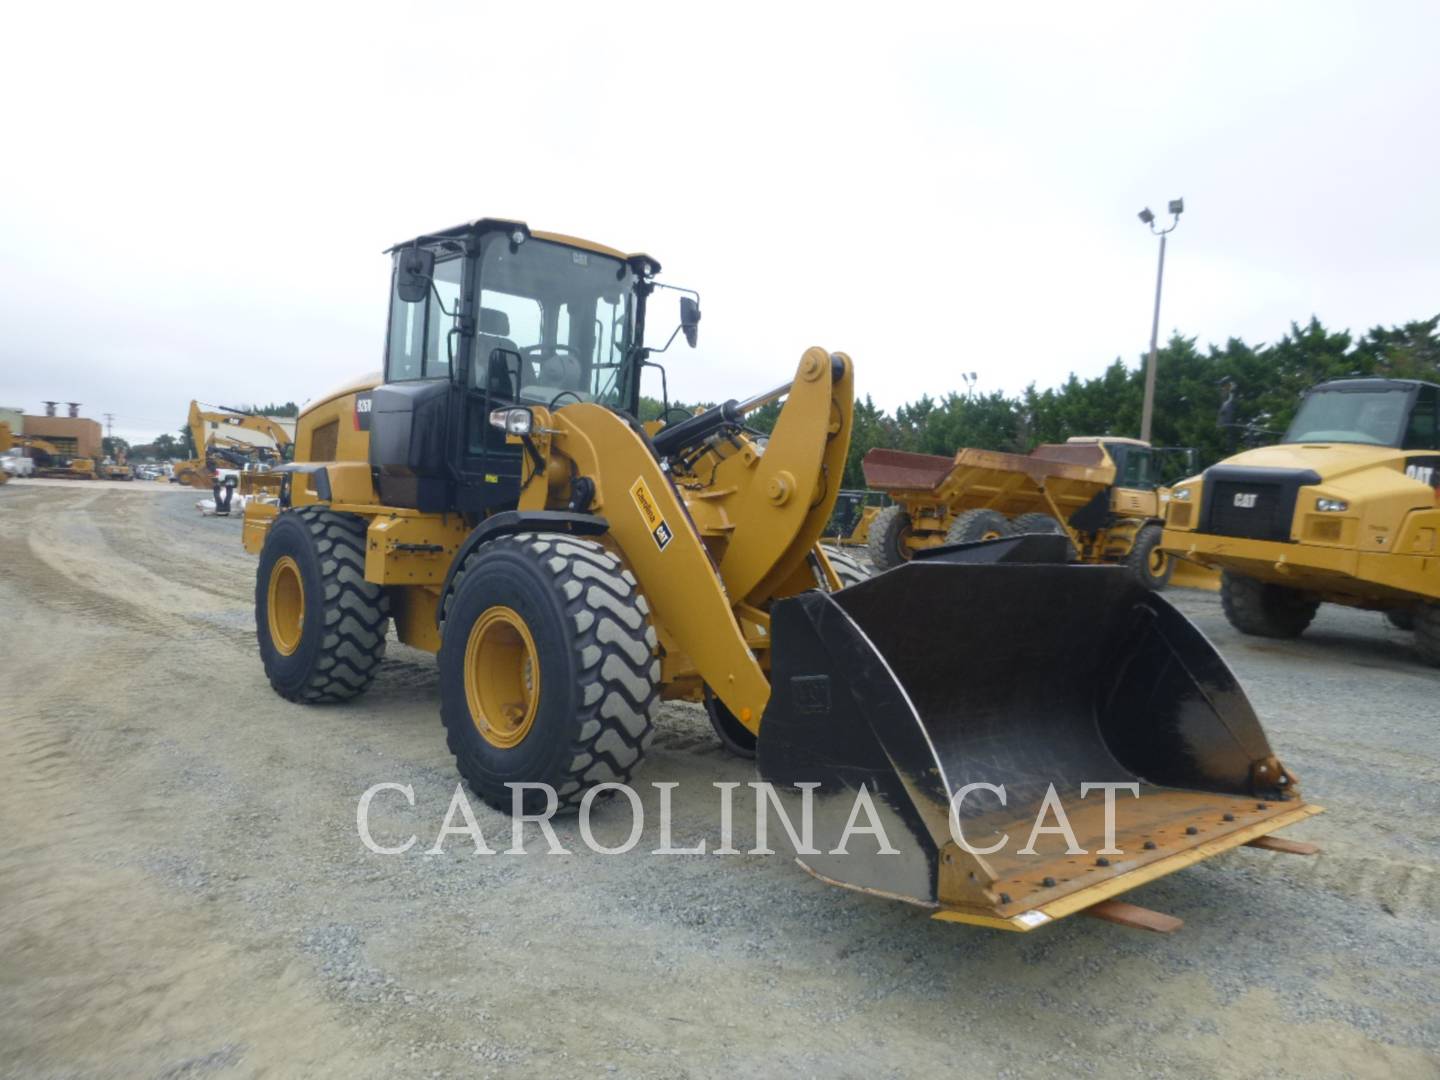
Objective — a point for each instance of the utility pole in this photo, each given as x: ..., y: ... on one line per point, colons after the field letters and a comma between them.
x: 109, y: 425
x: 1147, y: 415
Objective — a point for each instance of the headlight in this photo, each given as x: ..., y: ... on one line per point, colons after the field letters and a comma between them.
x: 512, y: 421
x: 1180, y: 494
x: 1332, y: 506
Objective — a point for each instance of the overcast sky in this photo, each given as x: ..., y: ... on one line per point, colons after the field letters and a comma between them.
x: 194, y: 204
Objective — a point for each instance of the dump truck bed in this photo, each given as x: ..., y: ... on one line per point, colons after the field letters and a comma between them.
x: 1071, y: 474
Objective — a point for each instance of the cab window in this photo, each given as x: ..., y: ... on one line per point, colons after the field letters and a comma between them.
x: 1423, y: 431
x: 1132, y: 466
x: 419, y: 341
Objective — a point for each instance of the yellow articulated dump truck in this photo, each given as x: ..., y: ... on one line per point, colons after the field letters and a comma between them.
x: 1345, y: 510
x: 492, y: 496
x: 1100, y: 492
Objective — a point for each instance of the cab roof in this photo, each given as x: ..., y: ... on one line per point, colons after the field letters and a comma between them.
x: 1372, y: 384
x: 484, y: 225
x: 1078, y: 439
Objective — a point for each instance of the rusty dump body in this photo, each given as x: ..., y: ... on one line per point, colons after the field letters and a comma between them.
x: 1071, y: 473
x: 1118, y: 688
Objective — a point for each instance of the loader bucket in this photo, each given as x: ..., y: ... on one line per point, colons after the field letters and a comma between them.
x: 948, y: 672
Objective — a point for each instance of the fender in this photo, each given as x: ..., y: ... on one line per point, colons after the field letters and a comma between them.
x: 510, y: 522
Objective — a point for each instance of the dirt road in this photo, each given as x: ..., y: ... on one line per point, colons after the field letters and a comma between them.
x: 183, y: 892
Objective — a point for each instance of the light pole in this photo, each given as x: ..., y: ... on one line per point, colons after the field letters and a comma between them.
x: 1177, y: 207
x: 970, y: 378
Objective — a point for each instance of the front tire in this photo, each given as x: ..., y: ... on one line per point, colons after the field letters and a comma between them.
x: 1427, y: 633
x: 1262, y: 610
x: 1147, y: 562
x: 320, y: 624
x: 888, y: 533
x: 548, y: 669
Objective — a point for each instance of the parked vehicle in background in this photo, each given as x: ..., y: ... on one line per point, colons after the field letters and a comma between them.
x: 1344, y: 510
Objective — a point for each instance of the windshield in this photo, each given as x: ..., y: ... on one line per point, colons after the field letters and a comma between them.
x: 1132, y: 465
x: 555, y: 324
x: 1376, y: 417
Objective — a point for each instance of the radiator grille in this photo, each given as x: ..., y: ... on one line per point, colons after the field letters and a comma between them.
x: 1255, y: 511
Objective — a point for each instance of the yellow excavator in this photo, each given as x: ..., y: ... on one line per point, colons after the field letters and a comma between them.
x: 56, y: 464
x: 214, y: 449
x: 493, y: 496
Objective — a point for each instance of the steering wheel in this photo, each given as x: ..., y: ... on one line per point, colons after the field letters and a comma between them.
x: 540, y: 355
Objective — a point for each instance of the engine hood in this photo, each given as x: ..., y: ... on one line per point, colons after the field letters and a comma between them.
x: 1332, y: 461
x: 354, y: 386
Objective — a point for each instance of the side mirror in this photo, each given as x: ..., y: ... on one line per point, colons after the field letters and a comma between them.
x: 413, y: 271
x: 690, y: 319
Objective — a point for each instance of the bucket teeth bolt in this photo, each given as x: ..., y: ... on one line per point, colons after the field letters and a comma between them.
x: 1149, y: 845
x: 1191, y: 830
x: 1229, y: 817
x: 1048, y: 882
x: 1004, y: 898
x: 1262, y: 806
x: 1102, y: 861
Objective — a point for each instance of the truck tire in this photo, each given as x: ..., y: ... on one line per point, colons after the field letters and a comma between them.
x: 846, y: 567
x: 887, y: 538
x: 1148, y: 563
x: 1262, y: 610
x: 1427, y: 633
x: 971, y: 525
x: 1036, y: 522
x: 320, y: 624
x: 549, y: 672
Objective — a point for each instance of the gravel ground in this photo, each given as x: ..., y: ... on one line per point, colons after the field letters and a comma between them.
x: 184, y: 893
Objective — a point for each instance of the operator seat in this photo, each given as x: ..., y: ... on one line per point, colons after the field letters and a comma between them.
x: 503, y: 378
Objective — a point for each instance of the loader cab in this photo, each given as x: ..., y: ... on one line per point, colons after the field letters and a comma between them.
x: 488, y: 317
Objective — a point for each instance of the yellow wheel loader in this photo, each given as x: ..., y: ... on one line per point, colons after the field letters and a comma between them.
x: 493, y: 497
x: 1345, y: 510
x: 1100, y: 492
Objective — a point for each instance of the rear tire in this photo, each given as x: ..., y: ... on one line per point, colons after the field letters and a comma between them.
x: 1262, y: 610
x: 888, y: 533
x: 1152, y: 566
x: 972, y: 525
x: 847, y: 568
x: 1427, y: 633
x: 327, y: 636
x: 548, y: 669
x: 1036, y: 522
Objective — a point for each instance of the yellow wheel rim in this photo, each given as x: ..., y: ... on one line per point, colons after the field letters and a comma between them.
x: 1158, y: 562
x: 993, y: 534
x: 285, y: 606
x: 502, y: 677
